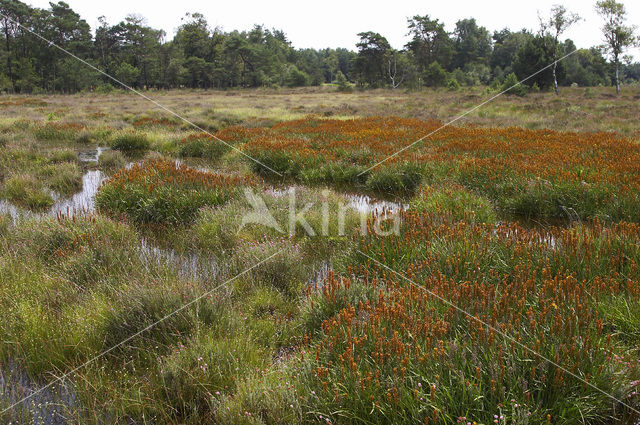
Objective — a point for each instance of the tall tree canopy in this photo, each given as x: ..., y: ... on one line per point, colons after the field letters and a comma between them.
x: 199, y: 56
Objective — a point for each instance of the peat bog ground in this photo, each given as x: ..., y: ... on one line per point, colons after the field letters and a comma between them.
x: 488, y: 274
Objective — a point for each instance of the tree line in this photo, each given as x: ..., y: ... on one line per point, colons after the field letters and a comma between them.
x: 199, y: 56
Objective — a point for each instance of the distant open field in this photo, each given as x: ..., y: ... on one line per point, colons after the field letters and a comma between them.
x: 576, y: 109
x: 488, y: 274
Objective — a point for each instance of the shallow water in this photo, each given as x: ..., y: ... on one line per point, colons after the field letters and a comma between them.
x: 48, y: 406
x: 80, y: 203
x: 187, y: 266
x: 83, y: 201
x: 361, y: 203
x: 43, y: 407
x: 367, y: 204
x: 91, y: 155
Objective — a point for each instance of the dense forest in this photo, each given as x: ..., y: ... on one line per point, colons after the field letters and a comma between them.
x: 199, y: 56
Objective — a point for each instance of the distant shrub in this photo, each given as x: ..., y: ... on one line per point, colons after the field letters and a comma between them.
x: 435, y: 75
x: 343, y: 84
x: 508, y: 84
x: 589, y: 93
x: 296, y: 78
x: 104, y: 88
x: 130, y: 142
x: 453, y: 85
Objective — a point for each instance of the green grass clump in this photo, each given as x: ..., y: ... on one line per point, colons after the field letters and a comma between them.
x: 456, y: 203
x: 267, y: 161
x: 61, y: 155
x: 5, y: 224
x: 623, y: 316
x: 111, y: 160
x: 335, y: 174
x: 84, y: 250
x: 64, y: 178
x: 84, y: 137
x: 202, y: 146
x: 130, y: 142
x: 160, y: 191
x: 56, y: 274
x: 221, y: 230
x: 267, y: 398
x: 26, y: 191
x: 142, y: 306
x: 57, y: 131
x: 395, y: 179
x: 284, y: 272
x: 193, y: 379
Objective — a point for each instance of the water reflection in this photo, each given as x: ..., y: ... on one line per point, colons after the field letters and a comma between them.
x: 46, y: 406
x: 367, y: 204
x: 190, y: 266
x: 82, y: 202
x: 91, y: 155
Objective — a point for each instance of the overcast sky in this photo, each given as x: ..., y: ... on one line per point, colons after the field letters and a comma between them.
x: 330, y: 23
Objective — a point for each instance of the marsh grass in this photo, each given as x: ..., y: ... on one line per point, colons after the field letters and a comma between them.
x: 84, y: 138
x: 221, y: 230
x: 367, y: 364
x: 161, y: 191
x: 26, y: 191
x: 111, y: 160
x: 455, y: 203
x: 64, y: 178
x: 202, y: 146
x: 280, y: 345
x: 130, y: 142
x: 31, y: 177
x: 396, y: 179
x: 57, y: 131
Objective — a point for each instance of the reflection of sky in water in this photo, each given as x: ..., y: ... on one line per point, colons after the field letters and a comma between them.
x: 360, y: 203
x: 80, y: 203
x: 91, y: 155
x: 187, y: 266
